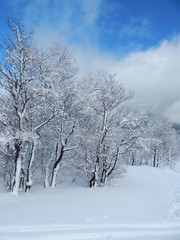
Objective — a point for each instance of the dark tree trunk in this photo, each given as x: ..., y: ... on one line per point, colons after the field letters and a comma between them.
x: 155, y: 156
x: 133, y: 160
x: 29, y: 169
x: 17, y: 146
x: 104, y: 174
x: 115, y: 162
x: 92, y: 181
x: 57, y: 162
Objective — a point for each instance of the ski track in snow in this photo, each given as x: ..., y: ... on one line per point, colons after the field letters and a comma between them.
x: 175, y: 209
x: 92, y: 232
x: 174, y: 213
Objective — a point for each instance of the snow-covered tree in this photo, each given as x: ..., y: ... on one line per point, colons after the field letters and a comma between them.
x: 58, y: 71
x: 107, y: 129
x: 19, y: 85
x: 158, y: 144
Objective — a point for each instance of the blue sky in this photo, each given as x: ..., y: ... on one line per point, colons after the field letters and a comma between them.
x: 117, y: 27
x: 139, y: 40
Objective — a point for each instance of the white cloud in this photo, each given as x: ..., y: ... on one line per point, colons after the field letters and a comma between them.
x: 44, y: 37
x: 73, y: 20
x: 91, y: 60
x: 91, y: 10
x: 173, y: 112
x: 153, y: 75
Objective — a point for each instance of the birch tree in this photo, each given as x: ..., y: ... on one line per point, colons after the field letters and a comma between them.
x: 58, y: 72
x: 19, y: 84
x: 105, y: 114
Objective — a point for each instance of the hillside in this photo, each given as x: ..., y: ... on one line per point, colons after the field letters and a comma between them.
x: 145, y: 204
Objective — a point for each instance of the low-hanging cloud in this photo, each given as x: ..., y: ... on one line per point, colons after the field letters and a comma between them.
x: 153, y: 75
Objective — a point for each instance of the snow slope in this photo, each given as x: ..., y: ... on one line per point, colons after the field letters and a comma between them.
x: 145, y: 204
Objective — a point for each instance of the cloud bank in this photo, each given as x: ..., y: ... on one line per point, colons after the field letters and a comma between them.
x: 153, y: 75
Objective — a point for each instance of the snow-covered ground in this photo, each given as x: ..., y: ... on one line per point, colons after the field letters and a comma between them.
x: 144, y: 205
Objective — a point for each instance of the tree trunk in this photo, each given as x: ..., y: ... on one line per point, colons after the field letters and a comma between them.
x: 57, y: 162
x: 95, y: 178
x: 92, y: 181
x: 157, y: 161
x: 47, y: 174
x: 18, y: 167
x: 29, y: 180
x: 154, y: 158
x: 133, y: 160
x: 22, y: 180
x: 104, y: 174
x: 114, y: 164
x: 56, y: 167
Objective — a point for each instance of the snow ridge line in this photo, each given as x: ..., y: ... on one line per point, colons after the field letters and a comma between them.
x: 91, y: 232
x: 100, y: 227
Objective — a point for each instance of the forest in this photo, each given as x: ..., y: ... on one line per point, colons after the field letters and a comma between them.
x: 56, y: 127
